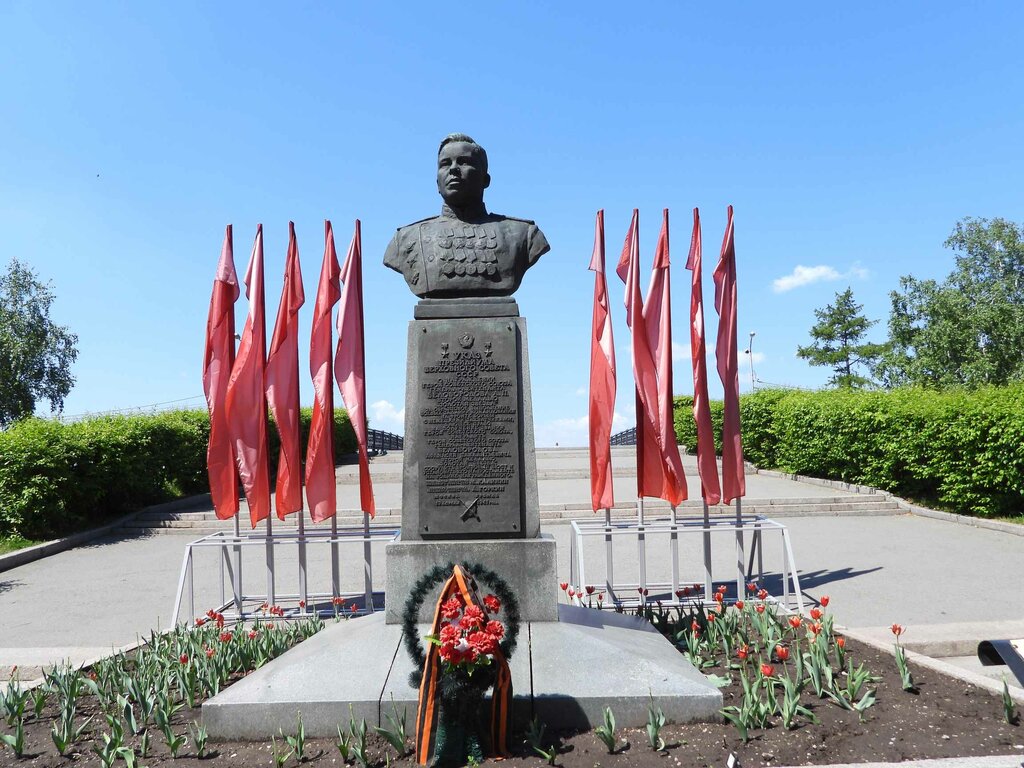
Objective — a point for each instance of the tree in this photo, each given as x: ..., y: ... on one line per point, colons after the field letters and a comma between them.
x: 838, y: 342
x: 35, y: 353
x: 969, y: 329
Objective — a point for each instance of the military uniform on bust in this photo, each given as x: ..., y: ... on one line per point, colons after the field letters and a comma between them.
x: 480, y: 254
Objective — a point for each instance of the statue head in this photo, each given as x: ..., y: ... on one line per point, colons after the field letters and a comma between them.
x: 461, y: 171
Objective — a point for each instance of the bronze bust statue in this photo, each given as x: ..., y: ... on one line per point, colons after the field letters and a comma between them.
x: 466, y: 251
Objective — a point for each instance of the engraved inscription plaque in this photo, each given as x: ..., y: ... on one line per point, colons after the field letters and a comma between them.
x: 469, y: 439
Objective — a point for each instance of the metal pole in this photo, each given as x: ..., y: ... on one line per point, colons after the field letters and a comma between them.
x: 367, y: 563
x: 739, y: 549
x: 707, y: 554
x: 788, y: 546
x: 181, y: 586
x: 191, y: 585
x: 641, y: 544
x: 335, y: 572
x: 303, y: 588
x: 750, y: 353
x: 238, y: 568
x: 609, y: 581
x: 271, y: 598
x: 674, y: 546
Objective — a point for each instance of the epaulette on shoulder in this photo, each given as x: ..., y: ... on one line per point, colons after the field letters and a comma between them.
x: 525, y: 221
x: 420, y: 221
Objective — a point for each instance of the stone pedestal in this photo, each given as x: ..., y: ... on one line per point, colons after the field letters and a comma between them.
x: 527, y: 565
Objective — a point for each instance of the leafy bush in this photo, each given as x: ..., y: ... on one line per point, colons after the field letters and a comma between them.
x: 958, y: 450
x: 58, y: 478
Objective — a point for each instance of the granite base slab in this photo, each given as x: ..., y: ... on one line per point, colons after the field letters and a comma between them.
x: 529, y: 566
x: 563, y: 672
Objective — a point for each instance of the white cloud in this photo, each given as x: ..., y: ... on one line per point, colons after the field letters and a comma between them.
x: 581, y: 392
x: 384, y: 415
x: 680, y: 351
x: 802, y: 275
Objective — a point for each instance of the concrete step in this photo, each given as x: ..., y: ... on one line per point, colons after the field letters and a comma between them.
x: 201, y: 522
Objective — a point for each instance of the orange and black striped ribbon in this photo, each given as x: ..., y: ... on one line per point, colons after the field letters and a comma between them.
x: 501, y: 700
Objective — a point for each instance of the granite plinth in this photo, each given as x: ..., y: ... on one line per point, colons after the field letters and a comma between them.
x: 469, y: 460
x: 529, y: 566
x: 481, y: 306
x: 362, y: 662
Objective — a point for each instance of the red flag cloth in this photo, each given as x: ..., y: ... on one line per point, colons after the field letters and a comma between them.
x: 602, y: 380
x: 650, y: 465
x: 247, y: 395
x: 707, y: 465
x: 657, y: 312
x: 217, y: 361
x: 350, y: 360
x: 283, y: 383
x: 321, y: 488
x: 734, y: 483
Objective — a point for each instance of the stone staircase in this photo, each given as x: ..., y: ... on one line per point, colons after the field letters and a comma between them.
x: 204, y: 521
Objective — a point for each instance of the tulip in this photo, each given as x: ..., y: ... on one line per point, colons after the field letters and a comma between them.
x: 571, y: 593
x: 816, y: 613
x: 824, y: 601
x: 762, y: 594
x: 742, y: 651
x: 751, y: 587
x: 590, y: 590
x: 897, y: 629
x: 564, y: 585
x: 767, y: 670
x: 781, y: 652
x: 759, y: 607
x: 841, y: 642
x: 795, y: 622
x: 183, y: 658
x: 739, y: 605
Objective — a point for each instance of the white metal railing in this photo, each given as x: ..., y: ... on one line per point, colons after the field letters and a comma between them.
x: 237, y: 604
x: 707, y: 526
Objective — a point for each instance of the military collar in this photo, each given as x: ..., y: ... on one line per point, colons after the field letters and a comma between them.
x: 476, y: 213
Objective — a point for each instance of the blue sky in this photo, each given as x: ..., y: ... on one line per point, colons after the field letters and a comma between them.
x: 849, y: 137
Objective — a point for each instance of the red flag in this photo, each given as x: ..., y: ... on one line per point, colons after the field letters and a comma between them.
x: 657, y: 313
x: 217, y: 361
x: 350, y: 360
x: 650, y: 474
x: 321, y: 489
x: 283, y: 382
x: 247, y: 396
x: 733, y: 482
x: 707, y: 466
x: 602, y: 380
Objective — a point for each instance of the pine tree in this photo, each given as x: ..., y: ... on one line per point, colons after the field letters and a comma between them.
x: 838, y: 342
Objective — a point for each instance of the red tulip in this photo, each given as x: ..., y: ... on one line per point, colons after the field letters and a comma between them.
x: 751, y: 587
x: 302, y: 603
x: 781, y: 652
x: 695, y: 626
x: 767, y: 670
x: 795, y: 622
x: 711, y: 617
x: 759, y: 607
x: 742, y: 651
x: 183, y: 658
x: 816, y: 613
x: 841, y: 642
x: 719, y: 597
x: 815, y: 628
x: 762, y: 594
x: 739, y: 605
x: 897, y: 630
x: 600, y: 596
x: 225, y: 637
x: 564, y: 585
x: 824, y: 601
x: 571, y: 593
x: 209, y: 653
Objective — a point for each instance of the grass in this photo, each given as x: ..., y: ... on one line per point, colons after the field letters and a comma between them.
x: 1016, y: 519
x: 12, y: 543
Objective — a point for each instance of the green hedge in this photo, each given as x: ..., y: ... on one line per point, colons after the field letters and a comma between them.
x: 961, y: 451
x: 58, y: 478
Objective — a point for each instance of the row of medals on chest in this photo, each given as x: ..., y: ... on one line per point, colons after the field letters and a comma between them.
x: 472, y: 252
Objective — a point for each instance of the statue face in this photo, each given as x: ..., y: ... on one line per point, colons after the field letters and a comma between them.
x: 461, y: 178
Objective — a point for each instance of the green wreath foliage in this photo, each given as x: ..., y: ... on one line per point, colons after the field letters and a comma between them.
x: 438, y: 575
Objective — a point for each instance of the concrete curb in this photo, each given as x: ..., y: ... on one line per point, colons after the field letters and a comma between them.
x: 936, y: 665
x: 47, y: 548
x: 992, y: 761
x: 914, y: 509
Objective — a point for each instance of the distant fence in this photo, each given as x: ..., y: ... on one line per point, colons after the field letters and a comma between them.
x: 379, y: 440
x: 625, y: 437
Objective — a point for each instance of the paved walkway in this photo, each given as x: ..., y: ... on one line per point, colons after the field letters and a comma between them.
x: 945, y: 582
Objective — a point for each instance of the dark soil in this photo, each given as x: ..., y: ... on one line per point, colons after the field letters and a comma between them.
x: 946, y: 718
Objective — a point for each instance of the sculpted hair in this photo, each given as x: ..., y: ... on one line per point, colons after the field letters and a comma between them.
x: 465, y: 139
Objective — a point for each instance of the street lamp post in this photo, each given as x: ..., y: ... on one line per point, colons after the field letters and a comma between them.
x: 749, y: 351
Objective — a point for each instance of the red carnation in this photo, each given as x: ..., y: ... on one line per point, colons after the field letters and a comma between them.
x: 449, y: 634
x: 482, y: 642
x: 451, y: 608
x: 473, y: 617
x: 447, y: 651
x: 492, y: 603
x: 496, y: 629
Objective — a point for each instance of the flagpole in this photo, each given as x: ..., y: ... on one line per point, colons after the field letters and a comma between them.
x: 238, y: 567
x: 740, y: 554
x: 674, y: 544
x: 707, y: 554
x: 609, y: 582
x: 303, y: 590
x: 335, y: 575
x: 271, y: 597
